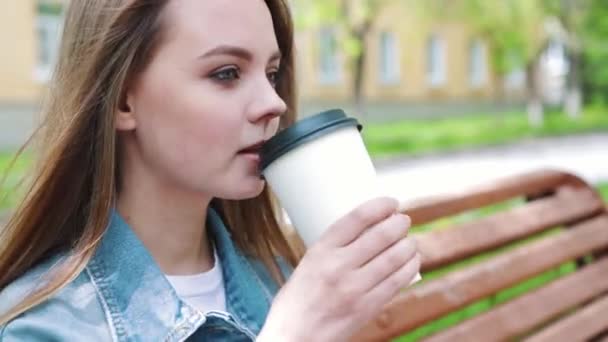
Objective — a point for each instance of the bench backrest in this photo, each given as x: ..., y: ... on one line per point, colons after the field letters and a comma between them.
x: 538, y: 222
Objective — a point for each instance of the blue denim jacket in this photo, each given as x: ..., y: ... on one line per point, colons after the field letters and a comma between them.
x: 122, y: 295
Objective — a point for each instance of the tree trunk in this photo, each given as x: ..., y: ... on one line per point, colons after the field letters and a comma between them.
x: 361, y: 34
x: 535, y: 103
x: 500, y: 97
x: 358, y: 79
x: 573, y: 100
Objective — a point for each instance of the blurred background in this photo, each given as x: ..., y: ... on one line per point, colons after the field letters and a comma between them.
x: 450, y: 92
x: 479, y: 88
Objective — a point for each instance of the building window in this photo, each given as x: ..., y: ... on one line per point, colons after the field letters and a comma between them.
x: 436, y: 61
x: 328, y: 54
x: 389, y: 58
x: 515, y: 78
x: 48, y: 28
x: 478, y: 67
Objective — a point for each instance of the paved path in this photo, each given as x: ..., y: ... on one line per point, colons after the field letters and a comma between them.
x: 586, y: 156
x: 16, y: 125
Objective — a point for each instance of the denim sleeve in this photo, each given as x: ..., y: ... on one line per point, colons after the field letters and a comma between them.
x: 55, y: 323
x: 73, y: 314
x: 32, y: 327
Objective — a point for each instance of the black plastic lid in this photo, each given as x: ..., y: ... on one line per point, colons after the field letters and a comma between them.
x: 303, y: 131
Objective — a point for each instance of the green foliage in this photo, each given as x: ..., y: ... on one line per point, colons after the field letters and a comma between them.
x: 510, y: 27
x: 10, y: 177
x: 349, y: 17
x: 516, y: 32
x: 352, y: 20
x: 414, y: 137
x: 603, y: 188
x: 48, y: 8
x: 595, y: 52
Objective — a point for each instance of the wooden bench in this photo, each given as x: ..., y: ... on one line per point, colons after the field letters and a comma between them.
x: 536, y: 223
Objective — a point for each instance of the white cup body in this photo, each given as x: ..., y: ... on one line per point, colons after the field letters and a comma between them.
x: 322, y: 180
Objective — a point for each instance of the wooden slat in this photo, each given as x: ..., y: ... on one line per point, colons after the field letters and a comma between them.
x: 521, y: 315
x: 426, y: 210
x: 421, y: 304
x: 442, y: 247
x: 579, y: 326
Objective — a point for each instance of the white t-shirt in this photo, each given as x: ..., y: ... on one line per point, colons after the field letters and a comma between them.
x: 204, y: 291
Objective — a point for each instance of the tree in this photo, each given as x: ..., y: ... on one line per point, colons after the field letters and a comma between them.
x: 354, y: 19
x: 513, y: 31
x: 570, y: 15
x: 594, y: 30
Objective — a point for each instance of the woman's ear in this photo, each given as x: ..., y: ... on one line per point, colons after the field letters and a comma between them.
x: 125, y: 115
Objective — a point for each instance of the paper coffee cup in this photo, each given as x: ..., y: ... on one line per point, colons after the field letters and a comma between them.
x: 320, y: 170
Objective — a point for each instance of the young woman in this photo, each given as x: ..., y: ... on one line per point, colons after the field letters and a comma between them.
x: 147, y: 219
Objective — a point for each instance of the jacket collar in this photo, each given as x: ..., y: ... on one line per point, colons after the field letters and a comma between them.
x: 141, y: 302
x: 247, y: 295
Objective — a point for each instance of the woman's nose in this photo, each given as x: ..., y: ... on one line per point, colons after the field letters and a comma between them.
x: 266, y: 104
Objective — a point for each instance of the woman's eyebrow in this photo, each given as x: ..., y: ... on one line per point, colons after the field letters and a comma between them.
x: 236, y: 52
x: 275, y: 57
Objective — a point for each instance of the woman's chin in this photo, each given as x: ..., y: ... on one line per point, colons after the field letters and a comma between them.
x: 250, y: 188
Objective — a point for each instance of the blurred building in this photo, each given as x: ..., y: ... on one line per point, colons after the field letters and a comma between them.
x: 29, y: 34
x: 413, y: 66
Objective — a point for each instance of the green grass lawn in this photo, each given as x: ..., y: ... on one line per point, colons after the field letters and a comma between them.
x: 487, y: 303
x: 604, y: 191
x: 414, y: 137
x: 8, y: 192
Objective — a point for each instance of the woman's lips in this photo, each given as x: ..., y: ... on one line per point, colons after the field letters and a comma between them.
x: 251, y: 156
x: 252, y: 152
x: 253, y: 149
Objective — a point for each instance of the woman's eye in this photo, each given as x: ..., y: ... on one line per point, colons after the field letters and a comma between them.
x: 273, y: 77
x: 226, y: 74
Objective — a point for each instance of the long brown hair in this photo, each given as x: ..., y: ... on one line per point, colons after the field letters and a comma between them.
x: 105, y: 44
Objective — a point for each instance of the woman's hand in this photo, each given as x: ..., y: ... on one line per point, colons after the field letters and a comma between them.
x: 345, y: 278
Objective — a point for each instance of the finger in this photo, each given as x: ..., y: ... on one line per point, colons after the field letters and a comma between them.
x: 379, y: 238
x: 349, y: 227
x: 391, y: 286
x: 387, y: 264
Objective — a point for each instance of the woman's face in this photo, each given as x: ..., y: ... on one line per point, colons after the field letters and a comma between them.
x: 207, y: 97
